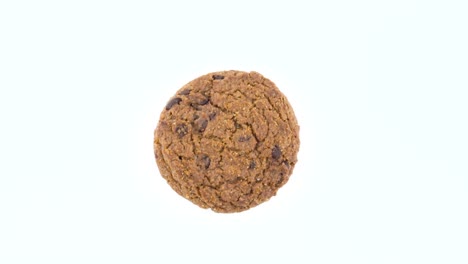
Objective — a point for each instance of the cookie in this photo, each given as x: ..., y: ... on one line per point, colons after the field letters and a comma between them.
x: 227, y: 141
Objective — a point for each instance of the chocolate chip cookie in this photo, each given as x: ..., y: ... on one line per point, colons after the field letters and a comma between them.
x: 227, y: 141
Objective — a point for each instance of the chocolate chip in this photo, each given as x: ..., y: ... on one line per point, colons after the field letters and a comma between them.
x: 198, y: 99
x: 235, y: 181
x: 212, y: 115
x: 244, y: 138
x: 252, y: 165
x: 276, y: 152
x: 218, y: 77
x: 204, y: 101
x: 280, y: 180
x: 201, y: 124
x: 185, y: 92
x: 182, y: 130
x: 195, y: 106
x: 173, y: 102
x: 204, y: 161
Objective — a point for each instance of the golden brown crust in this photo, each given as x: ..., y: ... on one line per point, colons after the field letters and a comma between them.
x: 227, y: 141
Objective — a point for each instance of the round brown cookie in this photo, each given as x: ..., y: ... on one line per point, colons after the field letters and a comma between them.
x: 227, y: 141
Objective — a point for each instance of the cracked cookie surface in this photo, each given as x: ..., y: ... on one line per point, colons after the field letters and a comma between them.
x: 227, y: 141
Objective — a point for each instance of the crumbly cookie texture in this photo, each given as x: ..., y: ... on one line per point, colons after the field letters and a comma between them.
x: 227, y: 141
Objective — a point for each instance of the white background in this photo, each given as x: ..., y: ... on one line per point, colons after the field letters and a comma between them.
x: 380, y: 89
